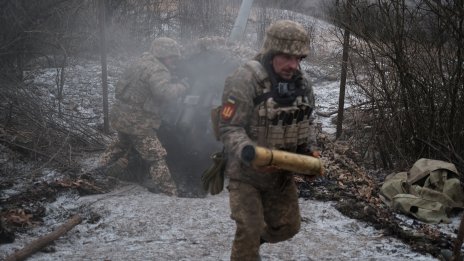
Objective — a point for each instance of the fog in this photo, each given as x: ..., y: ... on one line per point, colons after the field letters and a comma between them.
x: 186, y: 131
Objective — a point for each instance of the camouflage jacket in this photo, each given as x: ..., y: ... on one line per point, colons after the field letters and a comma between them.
x: 238, y: 117
x: 143, y: 92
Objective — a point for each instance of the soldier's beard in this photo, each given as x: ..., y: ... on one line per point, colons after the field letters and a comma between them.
x: 286, y: 75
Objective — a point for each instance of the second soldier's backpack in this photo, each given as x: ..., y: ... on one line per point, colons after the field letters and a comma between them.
x: 428, y: 191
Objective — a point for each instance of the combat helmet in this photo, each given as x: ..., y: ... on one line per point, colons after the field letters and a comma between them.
x: 285, y: 36
x: 163, y: 47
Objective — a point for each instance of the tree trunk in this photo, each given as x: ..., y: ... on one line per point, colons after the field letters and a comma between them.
x: 106, y: 125
x: 341, y: 97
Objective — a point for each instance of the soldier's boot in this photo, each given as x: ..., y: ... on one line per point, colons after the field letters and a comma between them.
x: 154, y: 187
x: 167, y: 189
x: 159, y: 180
x: 118, y: 169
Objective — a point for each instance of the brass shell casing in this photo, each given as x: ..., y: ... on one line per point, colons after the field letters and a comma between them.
x: 298, y: 163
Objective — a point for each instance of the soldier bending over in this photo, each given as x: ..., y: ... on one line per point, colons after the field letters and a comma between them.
x: 142, y: 96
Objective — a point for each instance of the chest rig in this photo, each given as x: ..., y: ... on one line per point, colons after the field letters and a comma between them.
x: 281, y: 113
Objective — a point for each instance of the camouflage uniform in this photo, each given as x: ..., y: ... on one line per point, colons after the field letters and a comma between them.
x: 264, y: 205
x: 142, y: 94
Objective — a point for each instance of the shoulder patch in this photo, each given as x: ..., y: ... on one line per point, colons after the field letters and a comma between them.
x: 228, y: 109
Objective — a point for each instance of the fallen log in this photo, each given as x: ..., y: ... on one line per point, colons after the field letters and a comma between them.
x: 326, y: 114
x: 42, y: 242
x: 330, y: 113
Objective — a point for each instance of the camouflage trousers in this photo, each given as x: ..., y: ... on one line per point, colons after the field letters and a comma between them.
x: 262, y: 216
x: 150, y: 153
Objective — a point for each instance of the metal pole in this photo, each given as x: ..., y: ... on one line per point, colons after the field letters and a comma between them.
x: 241, y: 21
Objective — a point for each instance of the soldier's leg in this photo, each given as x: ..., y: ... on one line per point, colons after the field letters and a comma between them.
x: 116, y: 157
x: 247, y: 212
x: 152, y: 152
x: 281, y: 213
x: 115, y: 150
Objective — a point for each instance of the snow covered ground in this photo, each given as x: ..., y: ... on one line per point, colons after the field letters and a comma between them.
x: 135, y: 224
x: 138, y: 225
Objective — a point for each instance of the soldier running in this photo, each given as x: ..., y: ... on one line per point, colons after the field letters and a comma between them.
x: 267, y: 102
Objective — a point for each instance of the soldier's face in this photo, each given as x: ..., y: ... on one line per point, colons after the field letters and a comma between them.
x: 285, y: 65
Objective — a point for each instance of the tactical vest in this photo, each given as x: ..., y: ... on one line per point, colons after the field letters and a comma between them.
x: 274, y: 125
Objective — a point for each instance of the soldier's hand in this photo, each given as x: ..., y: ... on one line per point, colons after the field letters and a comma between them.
x: 315, y: 153
x: 186, y: 85
x: 182, y: 88
x: 312, y: 178
x: 184, y: 81
x: 318, y: 154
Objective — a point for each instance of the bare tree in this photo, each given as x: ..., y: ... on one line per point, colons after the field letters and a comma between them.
x: 346, y: 47
x: 406, y: 61
x: 205, y: 18
x: 104, y: 75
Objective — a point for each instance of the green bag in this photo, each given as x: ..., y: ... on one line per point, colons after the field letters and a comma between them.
x: 428, y: 191
x: 213, y: 177
x: 426, y: 210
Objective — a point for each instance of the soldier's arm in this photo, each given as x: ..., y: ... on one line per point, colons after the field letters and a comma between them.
x: 237, y: 108
x: 161, y: 85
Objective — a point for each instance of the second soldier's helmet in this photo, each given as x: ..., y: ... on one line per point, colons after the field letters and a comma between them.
x: 285, y: 36
x: 165, y: 47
